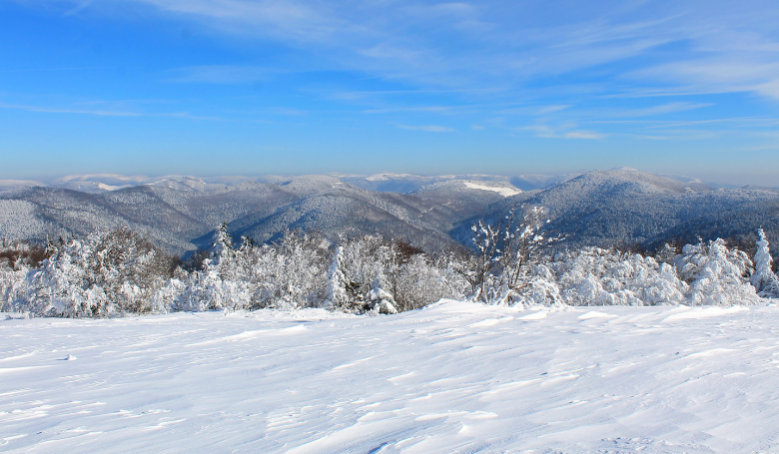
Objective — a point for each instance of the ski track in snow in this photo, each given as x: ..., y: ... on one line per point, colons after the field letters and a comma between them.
x: 454, y: 377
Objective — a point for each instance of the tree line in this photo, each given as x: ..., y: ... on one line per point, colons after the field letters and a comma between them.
x: 120, y: 272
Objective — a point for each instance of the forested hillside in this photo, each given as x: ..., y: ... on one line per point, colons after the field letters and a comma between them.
x: 623, y: 208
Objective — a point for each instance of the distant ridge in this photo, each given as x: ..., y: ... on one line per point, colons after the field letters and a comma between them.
x: 616, y: 207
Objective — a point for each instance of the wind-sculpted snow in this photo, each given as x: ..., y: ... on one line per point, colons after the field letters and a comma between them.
x: 453, y: 377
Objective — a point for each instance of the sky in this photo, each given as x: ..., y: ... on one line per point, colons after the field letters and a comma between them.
x: 239, y: 87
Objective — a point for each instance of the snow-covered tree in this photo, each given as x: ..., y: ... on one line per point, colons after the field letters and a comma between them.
x: 105, y: 274
x: 716, y: 275
x: 63, y: 286
x: 222, y: 248
x: 763, y: 279
x: 13, y: 288
x: 486, y: 238
x: 507, y: 254
x: 17, y: 259
x: 336, y: 296
x: 421, y: 283
x: 291, y: 274
x: 120, y: 272
x: 381, y: 301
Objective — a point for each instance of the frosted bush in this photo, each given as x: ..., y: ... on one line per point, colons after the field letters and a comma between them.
x: 716, y: 274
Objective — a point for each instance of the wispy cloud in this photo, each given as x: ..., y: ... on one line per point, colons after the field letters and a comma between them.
x: 189, y: 116
x: 221, y: 74
x: 304, y: 21
x: 426, y: 128
x: 64, y: 68
x: 39, y: 109
x: 432, y: 109
x: 463, y: 44
x: 562, y: 132
x: 724, y: 74
x: 611, y: 70
x: 583, y: 135
x: 107, y: 113
x: 532, y: 110
x: 661, y: 109
x: 763, y: 122
x: 552, y: 109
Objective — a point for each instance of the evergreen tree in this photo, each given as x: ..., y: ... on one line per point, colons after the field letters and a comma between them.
x: 336, y: 296
x: 764, y: 280
x: 222, y: 247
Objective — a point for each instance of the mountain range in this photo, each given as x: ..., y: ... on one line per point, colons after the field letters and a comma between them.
x: 615, y: 207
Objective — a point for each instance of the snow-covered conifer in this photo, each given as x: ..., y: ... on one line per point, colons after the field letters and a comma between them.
x: 336, y: 296
x: 763, y: 279
x: 222, y: 246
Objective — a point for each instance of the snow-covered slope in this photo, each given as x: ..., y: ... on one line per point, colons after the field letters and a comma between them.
x: 407, y: 183
x: 625, y: 207
x: 504, y: 190
x: 454, y: 377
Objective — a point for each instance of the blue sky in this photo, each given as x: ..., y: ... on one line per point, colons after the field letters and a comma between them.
x: 220, y: 87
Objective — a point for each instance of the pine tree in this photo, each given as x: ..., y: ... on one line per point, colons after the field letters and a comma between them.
x: 336, y: 296
x: 764, y: 280
x: 222, y: 247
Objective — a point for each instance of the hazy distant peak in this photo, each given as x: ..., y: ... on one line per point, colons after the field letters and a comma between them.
x: 403, y: 183
x: 388, y: 176
x: 627, y: 180
x: 19, y: 183
x: 102, y: 178
x: 306, y: 185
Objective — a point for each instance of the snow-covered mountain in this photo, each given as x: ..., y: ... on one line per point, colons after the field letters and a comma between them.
x: 616, y: 207
x: 382, y: 182
x: 625, y: 207
x: 180, y: 212
x: 8, y: 185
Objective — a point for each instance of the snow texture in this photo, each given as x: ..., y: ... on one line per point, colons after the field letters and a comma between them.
x: 453, y: 377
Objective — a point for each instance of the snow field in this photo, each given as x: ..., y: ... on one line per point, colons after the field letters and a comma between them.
x: 453, y: 377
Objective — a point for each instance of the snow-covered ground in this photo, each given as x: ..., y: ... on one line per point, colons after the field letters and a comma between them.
x: 454, y: 377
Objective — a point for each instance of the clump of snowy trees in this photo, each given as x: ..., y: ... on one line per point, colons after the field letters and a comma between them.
x: 120, y: 272
x: 520, y: 267
x: 102, y: 275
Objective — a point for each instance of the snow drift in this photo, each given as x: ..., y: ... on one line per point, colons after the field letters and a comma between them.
x: 453, y: 377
